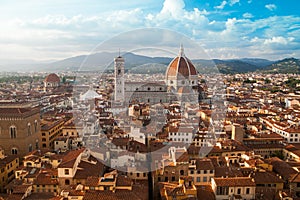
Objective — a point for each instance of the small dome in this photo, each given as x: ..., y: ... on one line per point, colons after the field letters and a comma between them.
x: 52, y: 78
x: 180, y: 66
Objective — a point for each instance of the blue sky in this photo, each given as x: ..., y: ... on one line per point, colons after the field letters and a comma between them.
x: 56, y: 29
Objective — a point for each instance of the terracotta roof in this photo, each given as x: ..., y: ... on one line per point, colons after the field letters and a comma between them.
x: 282, y: 168
x: 235, y: 182
x: 266, y: 177
x: 69, y: 159
x: 117, y: 195
x: 90, y: 167
x: 53, y: 78
x: 92, y: 181
x: 204, y: 164
x: 181, y: 66
x: 123, y: 181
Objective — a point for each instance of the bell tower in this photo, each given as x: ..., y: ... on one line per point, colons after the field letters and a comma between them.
x: 119, y: 79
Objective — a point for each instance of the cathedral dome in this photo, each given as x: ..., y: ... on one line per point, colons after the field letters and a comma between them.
x: 52, y: 78
x: 180, y: 67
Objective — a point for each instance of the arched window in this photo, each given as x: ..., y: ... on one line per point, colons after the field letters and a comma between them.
x: 28, y: 129
x: 35, y: 126
x: 36, y: 144
x: 30, y: 148
x: 13, y: 132
x: 181, y: 172
x: 14, y: 151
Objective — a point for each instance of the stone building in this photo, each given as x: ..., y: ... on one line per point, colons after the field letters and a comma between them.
x: 19, y: 128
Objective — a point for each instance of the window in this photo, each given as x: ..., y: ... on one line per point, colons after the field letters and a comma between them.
x: 222, y: 190
x: 35, y: 126
x: 14, y: 151
x: 67, y: 182
x: 13, y: 132
x: 181, y: 172
x: 67, y: 172
x: 198, y: 179
x: 247, y: 190
x: 204, y: 179
x: 30, y: 148
x: 149, y: 88
x: 28, y: 129
x: 239, y: 191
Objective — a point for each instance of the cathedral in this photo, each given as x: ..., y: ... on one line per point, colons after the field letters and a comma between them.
x: 180, y: 84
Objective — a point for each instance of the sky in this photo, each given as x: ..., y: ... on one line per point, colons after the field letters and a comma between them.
x: 35, y: 30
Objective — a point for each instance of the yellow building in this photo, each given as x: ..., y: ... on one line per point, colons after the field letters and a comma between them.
x: 72, y: 129
x: 8, y: 165
x: 51, y: 130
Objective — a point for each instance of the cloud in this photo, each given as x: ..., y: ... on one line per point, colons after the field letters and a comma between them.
x: 278, y: 40
x: 271, y: 7
x: 248, y: 15
x: 59, y: 36
x: 222, y: 5
x: 232, y: 2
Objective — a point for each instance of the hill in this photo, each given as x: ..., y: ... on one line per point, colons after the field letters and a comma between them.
x: 287, y: 65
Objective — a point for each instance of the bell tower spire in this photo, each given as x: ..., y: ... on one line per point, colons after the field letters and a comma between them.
x: 119, y: 78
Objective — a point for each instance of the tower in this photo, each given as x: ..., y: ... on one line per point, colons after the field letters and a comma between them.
x: 119, y: 79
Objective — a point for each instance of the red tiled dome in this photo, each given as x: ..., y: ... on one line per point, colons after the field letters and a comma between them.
x: 52, y: 78
x: 180, y: 66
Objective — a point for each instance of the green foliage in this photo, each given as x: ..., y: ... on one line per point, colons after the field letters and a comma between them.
x: 278, y: 154
x: 249, y: 81
x: 19, y: 79
x: 267, y: 81
x: 292, y: 82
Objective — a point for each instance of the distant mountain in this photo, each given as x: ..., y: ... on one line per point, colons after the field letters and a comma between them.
x: 287, y: 65
x: 101, y: 61
x: 257, y: 61
x: 143, y: 64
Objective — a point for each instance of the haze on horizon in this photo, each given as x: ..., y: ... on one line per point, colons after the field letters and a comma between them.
x: 225, y: 29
